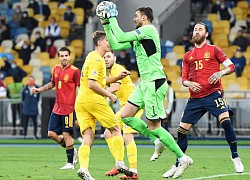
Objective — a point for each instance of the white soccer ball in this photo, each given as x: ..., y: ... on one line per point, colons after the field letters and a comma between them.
x: 102, y: 10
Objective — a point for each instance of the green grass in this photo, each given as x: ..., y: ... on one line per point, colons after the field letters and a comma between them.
x: 43, y: 162
x: 138, y: 141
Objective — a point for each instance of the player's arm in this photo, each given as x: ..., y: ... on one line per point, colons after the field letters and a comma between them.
x: 46, y: 87
x: 114, y: 44
x: 124, y: 36
x: 194, y: 86
x: 93, y: 85
x: 114, y: 87
x: 229, y: 69
x: 226, y: 62
x: 119, y: 77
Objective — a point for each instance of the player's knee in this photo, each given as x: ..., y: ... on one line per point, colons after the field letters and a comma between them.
x: 123, y: 115
x: 107, y: 134
x: 51, y: 134
x: 115, y: 130
x: 225, y: 123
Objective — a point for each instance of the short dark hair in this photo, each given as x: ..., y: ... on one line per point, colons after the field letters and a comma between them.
x: 147, y: 11
x: 203, y: 24
x: 63, y: 49
x: 98, y: 35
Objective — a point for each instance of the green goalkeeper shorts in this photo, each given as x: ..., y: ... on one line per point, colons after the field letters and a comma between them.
x: 150, y: 96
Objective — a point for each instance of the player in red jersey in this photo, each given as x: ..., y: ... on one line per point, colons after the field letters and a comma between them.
x: 202, y: 75
x: 65, y: 79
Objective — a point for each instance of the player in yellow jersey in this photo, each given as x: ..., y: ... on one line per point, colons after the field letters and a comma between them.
x: 123, y: 89
x: 91, y: 105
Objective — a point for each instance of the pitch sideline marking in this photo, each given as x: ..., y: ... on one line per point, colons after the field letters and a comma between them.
x: 219, y: 175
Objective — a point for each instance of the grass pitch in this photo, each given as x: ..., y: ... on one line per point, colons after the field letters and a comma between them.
x: 40, y: 160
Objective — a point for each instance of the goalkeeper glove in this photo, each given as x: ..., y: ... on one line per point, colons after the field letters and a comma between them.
x: 111, y: 8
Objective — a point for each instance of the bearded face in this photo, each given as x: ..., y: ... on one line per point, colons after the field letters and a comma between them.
x: 198, y: 39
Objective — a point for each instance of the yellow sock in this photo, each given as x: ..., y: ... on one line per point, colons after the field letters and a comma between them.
x: 118, y: 148
x: 132, y: 155
x: 84, y: 152
x: 110, y: 145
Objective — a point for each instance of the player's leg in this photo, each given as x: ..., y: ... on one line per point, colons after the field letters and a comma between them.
x: 155, y: 112
x: 217, y: 105
x: 55, y: 129
x: 67, y: 131
x: 109, y: 139
x: 231, y: 140
x: 192, y: 113
x: 128, y: 136
x: 84, y: 153
x: 105, y: 115
x: 108, y: 136
x: 130, y: 118
x: 87, y: 125
x: 135, y: 103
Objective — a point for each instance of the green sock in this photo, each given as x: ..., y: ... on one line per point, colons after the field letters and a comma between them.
x: 167, y: 139
x: 140, y: 126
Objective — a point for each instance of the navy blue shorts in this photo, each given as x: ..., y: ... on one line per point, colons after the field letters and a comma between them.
x: 61, y: 123
x: 214, y: 103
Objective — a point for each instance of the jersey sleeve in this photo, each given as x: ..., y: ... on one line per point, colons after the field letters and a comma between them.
x: 77, y: 77
x: 125, y: 36
x: 114, y: 44
x: 94, y: 68
x: 220, y: 55
x: 53, y: 78
x: 184, y: 69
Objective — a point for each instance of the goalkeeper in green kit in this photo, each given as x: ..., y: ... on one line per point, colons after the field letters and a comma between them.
x: 151, y: 92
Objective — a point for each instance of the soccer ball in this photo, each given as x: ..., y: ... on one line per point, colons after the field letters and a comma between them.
x: 104, y: 9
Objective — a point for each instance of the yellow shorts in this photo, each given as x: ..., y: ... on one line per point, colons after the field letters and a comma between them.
x: 88, y: 113
x: 126, y: 129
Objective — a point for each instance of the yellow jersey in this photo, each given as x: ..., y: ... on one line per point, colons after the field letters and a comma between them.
x: 126, y: 85
x: 93, y: 68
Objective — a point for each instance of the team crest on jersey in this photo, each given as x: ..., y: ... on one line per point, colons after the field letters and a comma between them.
x: 190, y: 58
x: 207, y: 55
x: 66, y: 77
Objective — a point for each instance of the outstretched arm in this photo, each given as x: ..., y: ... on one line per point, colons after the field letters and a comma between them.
x: 46, y: 87
x: 114, y: 44
x: 124, y: 36
x: 120, y: 76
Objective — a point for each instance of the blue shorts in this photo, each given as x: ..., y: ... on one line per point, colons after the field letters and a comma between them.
x: 61, y: 123
x: 214, y: 103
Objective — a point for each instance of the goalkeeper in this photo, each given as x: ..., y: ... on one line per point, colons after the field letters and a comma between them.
x: 150, y: 93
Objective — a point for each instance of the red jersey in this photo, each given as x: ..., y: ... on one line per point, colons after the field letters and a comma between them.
x: 65, y: 80
x: 199, y: 64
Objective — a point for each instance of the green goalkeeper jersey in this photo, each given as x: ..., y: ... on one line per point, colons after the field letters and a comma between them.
x: 146, y: 44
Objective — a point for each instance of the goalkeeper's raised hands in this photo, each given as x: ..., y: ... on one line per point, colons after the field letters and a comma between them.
x: 106, y: 9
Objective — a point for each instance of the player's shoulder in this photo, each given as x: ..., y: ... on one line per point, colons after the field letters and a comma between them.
x: 145, y: 29
x: 118, y: 67
x: 73, y: 67
x: 94, y: 56
x: 57, y: 66
x: 188, y: 53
